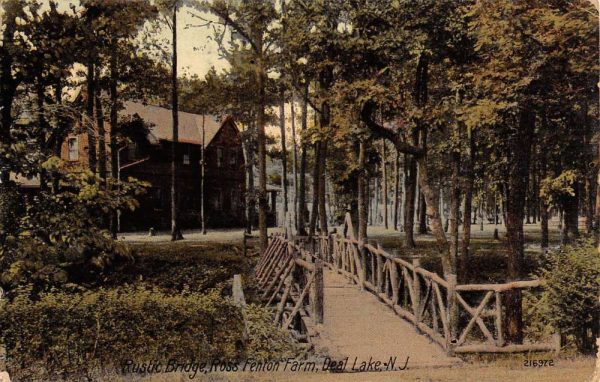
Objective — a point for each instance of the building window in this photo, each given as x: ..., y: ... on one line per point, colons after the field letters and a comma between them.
x: 132, y: 151
x: 187, y: 155
x: 233, y: 158
x: 73, y: 145
x: 158, y: 198
x: 235, y: 199
x: 219, y: 157
x: 217, y: 200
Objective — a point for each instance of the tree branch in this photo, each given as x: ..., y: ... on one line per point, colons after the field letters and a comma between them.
x: 238, y: 28
x: 380, y: 131
x: 307, y: 98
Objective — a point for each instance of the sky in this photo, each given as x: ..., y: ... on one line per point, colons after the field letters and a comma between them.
x: 196, y: 49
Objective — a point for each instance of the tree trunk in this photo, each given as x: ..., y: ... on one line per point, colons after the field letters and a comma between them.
x: 262, y: 150
x: 175, y: 232
x: 590, y: 173
x: 481, y: 212
x: 376, y: 209
x: 518, y: 173
x: 571, y: 215
x: 42, y: 127
x: 89, y: 125
x: 597, y: 204
x: 410, y: 180
x: 8, y: 87
x: 468, y: 201
x: 284, y: 181
x: 202, y: 175
x: 589, y: 199
x: 114, y: 128
x: 295, y: 160
x: 250, y: 193
x: 362, y: 193
x: 396, y: 188
x: 422, y: 209
x: 544, y: 207
x: 432, y: 204
x: 59, y: 138
x: 385, y: 185
x: 322, y: 188
x: 454, y: 204
x: 102, y: 160
x: 302, y: 176
x: 315, y: 197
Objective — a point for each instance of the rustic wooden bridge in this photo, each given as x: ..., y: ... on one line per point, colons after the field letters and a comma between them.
x: 356, y: 300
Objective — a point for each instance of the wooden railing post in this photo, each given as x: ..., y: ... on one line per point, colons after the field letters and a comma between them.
x: 240, y: 301
x: 330, y: 247
x: 394, y: 281
x: 318, y: 292
x: 362, y: 266
x: 379, y: 262
x: 452, y: 313
x: 498, y: 320
x: 416, y: 262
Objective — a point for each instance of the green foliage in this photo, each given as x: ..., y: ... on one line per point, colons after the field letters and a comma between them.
x: 266, y: 341
x: 555, y: 190
x: 60, y: 233
x: 570, y: 299
x: 175, y: 268
x: 62, y: 335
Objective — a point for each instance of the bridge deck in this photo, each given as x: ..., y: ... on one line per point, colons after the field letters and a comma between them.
x: 358, y: 325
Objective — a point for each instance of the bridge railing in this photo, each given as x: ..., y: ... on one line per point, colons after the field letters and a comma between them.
x: 291, y: 279
x: 460, y: 318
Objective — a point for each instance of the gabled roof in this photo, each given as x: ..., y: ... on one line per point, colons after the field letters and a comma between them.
x: 190, y: 125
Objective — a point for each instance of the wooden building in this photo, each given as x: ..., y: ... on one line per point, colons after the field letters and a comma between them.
x: 149, y: 159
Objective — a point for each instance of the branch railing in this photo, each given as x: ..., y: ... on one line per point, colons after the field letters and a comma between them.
x: 461, y: 318
x: 291, y: 279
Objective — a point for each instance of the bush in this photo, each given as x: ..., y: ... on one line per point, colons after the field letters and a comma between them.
x: 180, y: 266
x: 570, y: 299
x: 56, y: 235
x: 266, y: 341
x: 63, y: 335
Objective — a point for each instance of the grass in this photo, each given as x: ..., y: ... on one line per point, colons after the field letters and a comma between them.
x: 487, y: 257
x: 187, y: 266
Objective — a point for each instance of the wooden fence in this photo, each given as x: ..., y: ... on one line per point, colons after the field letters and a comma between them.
x: 465, y: 318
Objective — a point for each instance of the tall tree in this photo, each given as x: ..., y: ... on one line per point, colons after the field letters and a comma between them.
x: 175, y: 230
x: 251, y: 20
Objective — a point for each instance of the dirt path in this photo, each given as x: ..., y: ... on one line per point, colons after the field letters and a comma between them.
x: 359, y: 327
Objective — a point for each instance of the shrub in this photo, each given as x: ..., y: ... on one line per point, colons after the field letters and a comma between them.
x: 266, y: 341
x: 570, y: 299
x: 58, y: 234
x: 63, y: 335
x: 178, y: 267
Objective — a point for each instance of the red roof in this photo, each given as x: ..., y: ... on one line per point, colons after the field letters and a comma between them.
x: 161, y: 121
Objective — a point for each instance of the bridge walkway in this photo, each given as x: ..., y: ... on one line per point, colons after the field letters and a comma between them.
x: 360, y: 327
